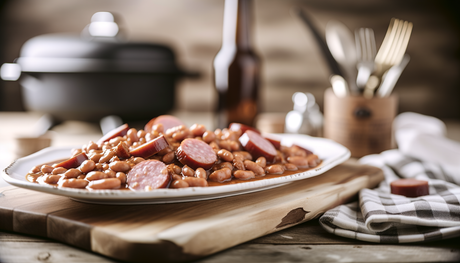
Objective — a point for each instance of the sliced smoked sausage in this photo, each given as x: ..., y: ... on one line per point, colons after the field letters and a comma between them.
x: 257, y: 145
x: 168, y: 122
x: 150, y: 148
x: 120, y: 131
x: 409, y: 187
x: 241, y: 127
x: 148, y: 175
x: 73, y: 162
x: 196, y: 153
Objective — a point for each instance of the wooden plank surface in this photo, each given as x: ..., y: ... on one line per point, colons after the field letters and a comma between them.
x: 183, y: 231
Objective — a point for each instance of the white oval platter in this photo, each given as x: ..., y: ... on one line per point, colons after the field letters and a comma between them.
x: 330, y: 152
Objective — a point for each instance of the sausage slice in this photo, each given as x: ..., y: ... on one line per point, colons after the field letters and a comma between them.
x: 150, y: 148
x: 73, y: 162
x: 196, y: 153
x: 148, y: 175
x: 168, y: 122
x: 257, y: 145
x: 120, y: 131
x: 234, y: 126
x: 409, y: 187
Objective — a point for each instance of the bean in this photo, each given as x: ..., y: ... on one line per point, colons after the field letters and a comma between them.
x: 174, y: 169
x: 105, y: 166
x: 187, y: 171
x: 99, y: 167
x: 35, y: 169
x: 72, y: 173
x: 176, y: 177
x: 87, y: 166
x: 234, y: 145
x: 222, y: 175
x: 225, y: 155
x: 165, y: 151
x: 244, y: 175
x: 81, y: 176
x: 196, y: 182
x: 197, y: 129
x: 209, y: 136
x: 95, y: 176
x: 92, y: 146
x: 218, y: 133
x: 214, y: 146
x: 119, y: 166
x: 142, y: 141
x: 229, y: 135
x: 108, y: 154
x: 180, y: 135
x: 239, y: 165
x: 46, y: 169
x: 106, y: 147
x: 225, y: 145
x: 245, y: 155
x: 138, y: 160
x: 158, y: 128
x: 222, y: 165
x: 141, y: 134
x: 114, y: 159
x: 110, y: 173
x: 73, y: 183
x: 290, y: 167
x: 299, y: 161
x: 171, y: 131
x: 115, y: 141
x: 32, y: 177
x: 179, y: 184
x: 201, y: 173
x: 121, y: 176
x: 275, y: 169
x: 169, y: 157
x: 51, y: 178
x: 252, y: 166
x: 96, y: 157
x: 132, y: 134
x: 109, y: 183
x: 261, y: 161
x: 59, y: 170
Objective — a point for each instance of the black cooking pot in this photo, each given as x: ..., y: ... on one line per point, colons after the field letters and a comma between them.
x: 88, y: 77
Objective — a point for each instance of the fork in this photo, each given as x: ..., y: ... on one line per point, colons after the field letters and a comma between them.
x: 366, y: 50
x: 391, y: 52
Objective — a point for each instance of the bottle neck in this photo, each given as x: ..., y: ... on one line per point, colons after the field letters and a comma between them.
x: 237, y: 23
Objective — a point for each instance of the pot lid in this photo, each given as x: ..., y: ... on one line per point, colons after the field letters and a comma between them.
x: 97, y: 49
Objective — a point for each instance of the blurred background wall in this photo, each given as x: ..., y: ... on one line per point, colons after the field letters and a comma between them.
x: 291, y: 58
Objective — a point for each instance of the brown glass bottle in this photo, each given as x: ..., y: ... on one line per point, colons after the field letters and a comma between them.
x: 237, y: 67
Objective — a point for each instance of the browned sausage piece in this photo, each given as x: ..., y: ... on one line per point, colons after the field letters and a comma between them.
x: 150, y: 148
x: 196, y: 153
x: 241, y: 127
x: 276, y: 143
x: 168, y: 122
x: 73, y: 162
x: 258, y: 146
x: 409, y: 187
x: 147, y: 175
x: 120, y: 131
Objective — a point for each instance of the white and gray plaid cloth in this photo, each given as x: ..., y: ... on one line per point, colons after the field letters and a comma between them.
x: 382, y: 217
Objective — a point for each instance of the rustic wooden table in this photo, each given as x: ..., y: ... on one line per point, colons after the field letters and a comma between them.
x: 306, y: 242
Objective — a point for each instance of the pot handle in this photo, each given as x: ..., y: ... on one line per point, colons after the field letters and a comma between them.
x: 10, y: 71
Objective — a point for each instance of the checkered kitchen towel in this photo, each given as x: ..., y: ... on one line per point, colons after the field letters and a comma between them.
x: 382, y: 217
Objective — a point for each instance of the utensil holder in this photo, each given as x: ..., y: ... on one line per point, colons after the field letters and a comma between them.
x: 362, y: 125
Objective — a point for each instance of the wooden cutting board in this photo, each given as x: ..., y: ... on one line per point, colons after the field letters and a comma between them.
x: 182, y: 231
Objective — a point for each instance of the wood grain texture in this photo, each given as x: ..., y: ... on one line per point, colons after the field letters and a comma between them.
x: 182, y: 231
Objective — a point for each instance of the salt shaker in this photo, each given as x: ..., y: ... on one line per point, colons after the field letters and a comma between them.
x: 306, y: 118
